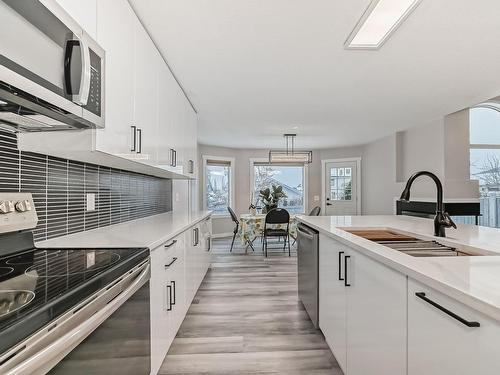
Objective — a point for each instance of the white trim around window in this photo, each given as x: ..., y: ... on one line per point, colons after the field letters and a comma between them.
x: 231, y: 162
x: 266, y: 160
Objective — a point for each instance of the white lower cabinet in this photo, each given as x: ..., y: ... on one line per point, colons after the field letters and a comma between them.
x: 440, y: 344
x: 332, y: 298
x: 177, y: 269
x: 362, y: 311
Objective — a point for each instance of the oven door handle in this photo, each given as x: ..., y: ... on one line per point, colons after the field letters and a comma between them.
x: 54, y: 352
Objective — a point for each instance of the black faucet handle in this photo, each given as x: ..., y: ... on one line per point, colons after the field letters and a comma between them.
x: 448, y: 221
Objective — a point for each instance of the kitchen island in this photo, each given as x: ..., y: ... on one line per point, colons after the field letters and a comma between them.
x: 386, y: 312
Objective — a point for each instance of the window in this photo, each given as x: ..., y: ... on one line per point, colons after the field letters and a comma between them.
x: 217, y: 185
x: 341, y: 184
x: 485, y: 161
x: 291, y: 177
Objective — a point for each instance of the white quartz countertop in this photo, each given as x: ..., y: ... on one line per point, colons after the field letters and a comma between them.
x: 150, y: 232
x: 473, y: 280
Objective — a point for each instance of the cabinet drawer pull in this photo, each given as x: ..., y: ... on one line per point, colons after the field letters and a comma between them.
x: 346, y: 283
x: 175, y: 158
x: 209, y: 239
x: 171, y: 244
x: 340, y: 266
x: 134, y: 138
x: 139, y: 136
x: 172, y: 262
x: 422, y: 296
x: 174, y: 293
x: 169, y: 298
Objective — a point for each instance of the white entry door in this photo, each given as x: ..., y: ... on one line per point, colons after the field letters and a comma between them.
x: 341, y: 190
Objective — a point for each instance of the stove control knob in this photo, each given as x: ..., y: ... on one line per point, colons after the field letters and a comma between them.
x: 10, y: 206
x: 20, y: 206
x: 4, y: 207
x: 27, y: 205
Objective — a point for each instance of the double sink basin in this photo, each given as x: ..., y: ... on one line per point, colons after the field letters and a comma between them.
x: 414, y: 246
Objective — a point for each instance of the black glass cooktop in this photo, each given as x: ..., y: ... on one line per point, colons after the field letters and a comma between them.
x: 37, y: 285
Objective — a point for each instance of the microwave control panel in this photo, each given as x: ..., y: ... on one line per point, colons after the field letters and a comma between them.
x: 95, y: 92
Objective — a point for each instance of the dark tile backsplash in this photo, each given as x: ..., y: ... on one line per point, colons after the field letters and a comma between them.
x: 59, y: 189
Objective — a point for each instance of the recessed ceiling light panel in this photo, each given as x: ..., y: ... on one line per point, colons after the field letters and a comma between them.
x: 380, y: 20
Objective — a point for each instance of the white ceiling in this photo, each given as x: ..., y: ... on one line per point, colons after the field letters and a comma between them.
x: 254, y: 69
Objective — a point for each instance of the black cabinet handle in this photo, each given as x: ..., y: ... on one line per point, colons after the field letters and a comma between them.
x: 209, y: 244
x: 134, y: 138
x: 174, y: 292
x: 175, y: 158
x: 346, y: 283
x: 196, y: 236
x: 139, y: 136
x: 171, y: 244
x: 172, y: 262
x: 421, y: 295
x: 340, y: 266
x: 169, y: 298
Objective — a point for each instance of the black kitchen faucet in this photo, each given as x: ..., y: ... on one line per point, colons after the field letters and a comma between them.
x: 442, y: 220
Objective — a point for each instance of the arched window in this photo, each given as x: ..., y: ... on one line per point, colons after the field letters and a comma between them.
x: 485, y: 160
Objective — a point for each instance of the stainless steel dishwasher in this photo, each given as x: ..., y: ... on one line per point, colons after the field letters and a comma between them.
x: 307, y: 264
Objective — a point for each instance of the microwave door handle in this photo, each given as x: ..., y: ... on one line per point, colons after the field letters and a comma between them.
x: 82, y: 97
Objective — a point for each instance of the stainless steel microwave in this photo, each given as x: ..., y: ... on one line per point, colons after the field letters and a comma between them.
x: 51, y: 70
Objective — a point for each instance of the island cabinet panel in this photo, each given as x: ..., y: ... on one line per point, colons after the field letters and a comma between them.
x: 362, y: 311
x: 440, y: 344
x: 332, y: 298
x: 376, y: 317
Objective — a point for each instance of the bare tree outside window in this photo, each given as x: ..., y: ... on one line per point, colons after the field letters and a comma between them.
x: 217, y: 188
x: 289, y: 177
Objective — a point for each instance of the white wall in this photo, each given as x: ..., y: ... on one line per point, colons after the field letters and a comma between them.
x: 441, y: 147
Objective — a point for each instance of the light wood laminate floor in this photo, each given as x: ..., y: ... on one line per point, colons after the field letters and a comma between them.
x: 247, y: 319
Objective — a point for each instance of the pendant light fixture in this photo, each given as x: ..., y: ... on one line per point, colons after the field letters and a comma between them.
x: 290, y: 155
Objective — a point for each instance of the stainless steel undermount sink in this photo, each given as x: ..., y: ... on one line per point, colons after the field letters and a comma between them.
x: 413, y: 246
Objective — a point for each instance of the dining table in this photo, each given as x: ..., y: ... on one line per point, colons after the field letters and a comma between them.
x: 252, y: 225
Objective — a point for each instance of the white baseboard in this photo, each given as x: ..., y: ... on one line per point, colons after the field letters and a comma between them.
x: 222, y: 235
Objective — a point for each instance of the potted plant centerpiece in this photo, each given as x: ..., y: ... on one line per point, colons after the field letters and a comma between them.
x: 271, y: 197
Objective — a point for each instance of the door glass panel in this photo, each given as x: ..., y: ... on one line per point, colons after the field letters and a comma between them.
x: 341, y: 184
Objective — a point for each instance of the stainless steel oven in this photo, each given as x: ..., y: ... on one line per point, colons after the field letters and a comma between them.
x: 69, y: 311
x: 51, y: 70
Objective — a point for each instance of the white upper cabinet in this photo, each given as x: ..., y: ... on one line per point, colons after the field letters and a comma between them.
x: 147, y: 66
x: 147, y: 116
x: 115, y: 33
x: 440, y: 344
x: 166, y: 127
x: 83, y: 12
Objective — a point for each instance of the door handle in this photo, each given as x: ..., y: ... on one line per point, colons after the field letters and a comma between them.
x: 175, y: 158
x: 329, y: 204
x: 422, y: 296
x: 82, y: 96
x: 340, y: 266
x: 174, y: 292
x: 169, y: 298
x: 172, y: 262
x: 133, y: 147
x: 171, y: 244
x: 346, y: 282
x: 139, y: 137
x: 209, y: 244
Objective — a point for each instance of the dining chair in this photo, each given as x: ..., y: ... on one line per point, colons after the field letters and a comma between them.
x: 234, y: 218
x: 315, y: 211
x: 274, y: 217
